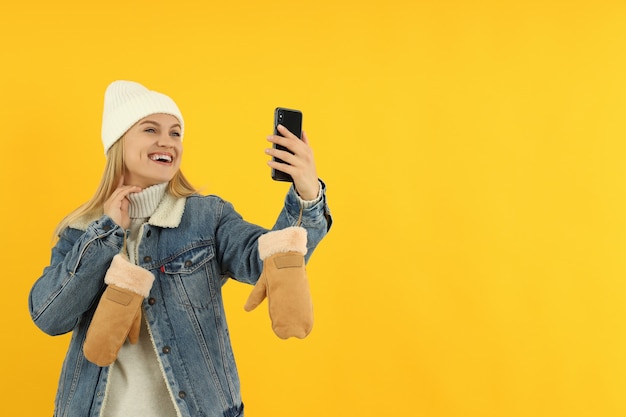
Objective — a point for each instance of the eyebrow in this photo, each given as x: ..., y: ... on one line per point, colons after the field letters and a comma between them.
x: 158, y: 124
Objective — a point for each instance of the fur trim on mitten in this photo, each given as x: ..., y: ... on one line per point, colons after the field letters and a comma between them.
x: 131, y: 277
x: 290, y: 239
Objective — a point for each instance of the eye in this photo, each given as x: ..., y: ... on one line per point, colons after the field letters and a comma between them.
x: 175, y: 133
x: 150, y: 130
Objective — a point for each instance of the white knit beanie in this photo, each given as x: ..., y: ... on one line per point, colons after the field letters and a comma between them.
x: 127, y: 102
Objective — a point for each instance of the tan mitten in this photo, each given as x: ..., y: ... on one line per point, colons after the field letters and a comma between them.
x: 284, y: 283
x: 133, y: 333
x: 118, y: 314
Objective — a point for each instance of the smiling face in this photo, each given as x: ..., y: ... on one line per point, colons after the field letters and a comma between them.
x: 152, y: 150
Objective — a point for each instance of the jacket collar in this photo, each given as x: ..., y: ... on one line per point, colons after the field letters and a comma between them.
x: 168, y: 214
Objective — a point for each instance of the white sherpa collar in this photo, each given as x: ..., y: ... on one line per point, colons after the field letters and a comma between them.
x: 168, y: 214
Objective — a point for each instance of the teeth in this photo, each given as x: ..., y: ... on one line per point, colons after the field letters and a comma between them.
x: 162, y: 158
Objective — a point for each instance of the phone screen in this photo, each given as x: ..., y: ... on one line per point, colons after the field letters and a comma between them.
x: 292, y: 120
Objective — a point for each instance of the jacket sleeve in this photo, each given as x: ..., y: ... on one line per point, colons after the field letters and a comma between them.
x: 315, y: 219
x: 237, y: 240
x: 70, y: 285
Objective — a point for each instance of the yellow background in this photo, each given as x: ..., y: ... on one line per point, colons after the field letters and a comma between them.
x: 475, y: 159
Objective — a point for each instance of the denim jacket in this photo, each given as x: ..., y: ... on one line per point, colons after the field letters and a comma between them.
x: 192, y: 246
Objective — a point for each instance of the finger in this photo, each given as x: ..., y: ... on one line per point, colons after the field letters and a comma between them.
x: 286, y: 156
x: 293, y: 144
x: 133, y: 189
x: 285, y: 132
x: 286, y: 168
x: 122, y: 193
x: 282, y: 140
x: 124, y: 190
x: 305, y: 138
x: 276, y: 140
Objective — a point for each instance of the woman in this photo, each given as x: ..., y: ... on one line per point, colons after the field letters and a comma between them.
x: 146, y: 220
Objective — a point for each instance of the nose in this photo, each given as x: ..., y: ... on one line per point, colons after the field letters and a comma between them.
x: 165, y: 140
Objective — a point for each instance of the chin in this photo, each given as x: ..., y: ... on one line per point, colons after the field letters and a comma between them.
x: 163, y: 180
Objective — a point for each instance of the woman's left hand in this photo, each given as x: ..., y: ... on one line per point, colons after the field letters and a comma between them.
x: 300, y: 165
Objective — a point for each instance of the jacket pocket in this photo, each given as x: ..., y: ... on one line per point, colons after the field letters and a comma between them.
x: 189, y: 271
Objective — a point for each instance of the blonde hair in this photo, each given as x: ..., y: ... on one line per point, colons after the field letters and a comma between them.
x: 178, y: 186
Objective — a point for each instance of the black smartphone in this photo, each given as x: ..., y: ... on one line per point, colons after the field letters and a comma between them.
x: 292, y: 120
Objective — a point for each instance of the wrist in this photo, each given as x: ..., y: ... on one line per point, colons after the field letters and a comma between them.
x: 306, y: 203
x: 311, y: 193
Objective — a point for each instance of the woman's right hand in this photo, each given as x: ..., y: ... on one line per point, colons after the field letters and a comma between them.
x: 116, y: 206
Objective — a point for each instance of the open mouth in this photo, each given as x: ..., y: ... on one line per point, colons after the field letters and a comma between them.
x: 162, y: 158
